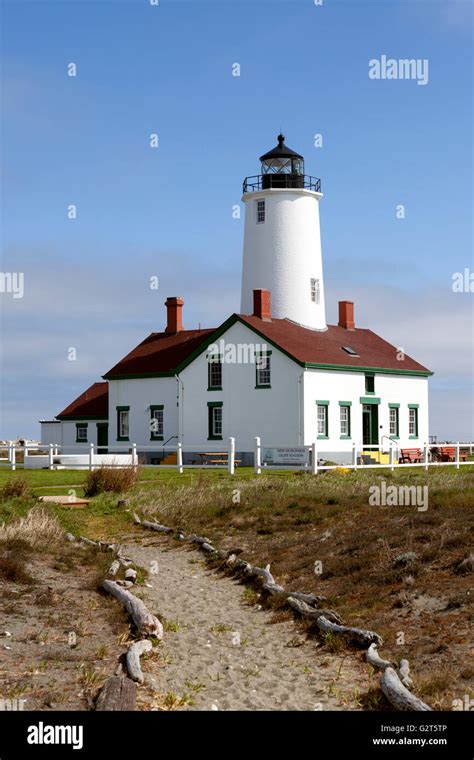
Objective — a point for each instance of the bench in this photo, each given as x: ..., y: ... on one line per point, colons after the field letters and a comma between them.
x: 410, y: 456
x: 448, y: 454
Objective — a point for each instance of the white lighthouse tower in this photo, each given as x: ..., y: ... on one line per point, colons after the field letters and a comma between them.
x: 282, y: 241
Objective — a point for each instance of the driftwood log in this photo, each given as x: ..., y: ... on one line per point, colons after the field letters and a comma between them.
x: 132, y: 659
x: 312, y: 614
x: 101, y: 545
x: 357, y: 635
x: 398, y: 694
x: 145, y: 623
x: 130, y: 575
x: 374, y: 659
x: 114, y: 567
x: 156, y: 526
x: 274, y: 588
x: 404, y: 671
x: 118, y: 693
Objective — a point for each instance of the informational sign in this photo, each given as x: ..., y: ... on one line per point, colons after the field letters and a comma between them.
x: 288, y: 455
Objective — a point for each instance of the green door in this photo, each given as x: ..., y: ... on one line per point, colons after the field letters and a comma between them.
x: 370, y: 424
x: 102, y: 437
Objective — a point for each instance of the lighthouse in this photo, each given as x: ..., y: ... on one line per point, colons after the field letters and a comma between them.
x: 282, y: 240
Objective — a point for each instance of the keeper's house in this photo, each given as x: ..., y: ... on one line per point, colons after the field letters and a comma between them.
x: 276, y: 370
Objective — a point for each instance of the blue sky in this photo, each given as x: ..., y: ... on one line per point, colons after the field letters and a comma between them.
x: 167, y: 69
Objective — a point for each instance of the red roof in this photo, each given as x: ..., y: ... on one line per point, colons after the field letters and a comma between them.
x: 326, y: 347
x: 92, y: 404
x: 164, y: 354
x: 160, y: 353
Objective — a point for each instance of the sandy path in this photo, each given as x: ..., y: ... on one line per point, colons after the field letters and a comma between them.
x: 227, y: 655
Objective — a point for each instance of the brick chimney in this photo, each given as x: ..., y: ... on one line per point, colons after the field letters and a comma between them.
x: 174, y: 307
x: 346, y: 315
x: 261, y: 304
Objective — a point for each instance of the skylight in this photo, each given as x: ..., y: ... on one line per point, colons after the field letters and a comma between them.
x: 350, y: 351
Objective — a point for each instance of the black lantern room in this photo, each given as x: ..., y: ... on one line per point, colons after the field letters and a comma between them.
x: 282, y: 160
x: 282, y: 168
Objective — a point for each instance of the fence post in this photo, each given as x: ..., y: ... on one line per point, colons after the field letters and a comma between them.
x: 258, y: 456
x: 134, y: 455
x: 50, y: 454
x: 179, y: 458
x: 457, y: 455
x: 91, y: 455
x: 354, y: 456
x: 10, y: 447
x: 390, y: 456
x: 314, y: 459
x: 425, y: 455
x: 13, y: 458
x: 231, y: 456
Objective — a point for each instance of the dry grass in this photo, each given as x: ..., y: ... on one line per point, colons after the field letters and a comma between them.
x: 38, y: 529
x: 110, y: 479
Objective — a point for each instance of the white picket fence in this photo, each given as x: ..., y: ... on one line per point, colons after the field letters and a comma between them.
x: 312, y: 460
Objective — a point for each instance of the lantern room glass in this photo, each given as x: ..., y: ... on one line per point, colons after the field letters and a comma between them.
x: 284, y: 165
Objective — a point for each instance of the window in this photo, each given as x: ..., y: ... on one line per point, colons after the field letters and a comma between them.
x: 345, y: 418
x: 394, y: 427
x: 215, y: 421
x: 349, y: 351
x: 156, y: 422
x: 214, y: 373
x: 322, y: 418
x: 370, y: 383
x: 315, y: 292
x: 81, y: 432
x: 413, y: 420
x: 260, y: 212
x: 263, y: 370
x: 123, y: 423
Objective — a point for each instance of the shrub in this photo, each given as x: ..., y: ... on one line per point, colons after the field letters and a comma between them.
x: 12, y: 569
x: 115, y: 479
x: 15, y: 486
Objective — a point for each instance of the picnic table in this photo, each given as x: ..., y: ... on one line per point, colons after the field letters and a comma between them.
x: 215, y: 457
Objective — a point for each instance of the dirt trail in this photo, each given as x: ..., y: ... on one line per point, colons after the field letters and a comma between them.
x: 227, y: 655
